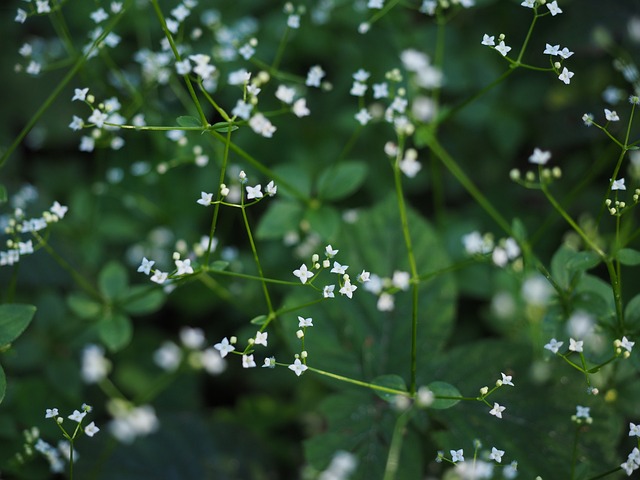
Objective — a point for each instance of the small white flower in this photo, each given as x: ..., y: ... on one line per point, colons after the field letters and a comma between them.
x: 503, y: 49
x: 553, y: 346
x: 145, y: 266
x: 159, y: 277
x: 363, y: 116
x: 339, y: 269
x: 248, y: 362
x: 457, y: 455
x: 305, y: 322
x: 348, y: 289
x: 488, y: 40
x: 539, y: 157
x: 261, y: 338
x: 566, y: 75
x: 91, y: 429
x: 271, y: 189
x: 254, y: 192
x: 327, y: 292
x: 303, y: 273
x: 611, y: 116
x: 497, y: 410
x: 551, y: 49
x: 224, y: 347
x: 618, y: 184
x: 496, y: 454
x: 298, y: 367
x: 205, y: 199
x: 553, y: 8
x: 575, y: 345
x: 627, y: 345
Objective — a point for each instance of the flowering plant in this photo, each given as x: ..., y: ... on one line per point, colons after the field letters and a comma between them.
x: 260, y: 239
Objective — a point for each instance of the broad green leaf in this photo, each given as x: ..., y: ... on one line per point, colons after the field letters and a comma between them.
x: 582, y: 261
x: 300, y: 174
x: 188, y: 121
x: 3, y: 384
x: 219, y: 265
x: 3, y: 194
x: 341, y: 180
x: 325, y: 221
x: 113, y: 280
x: 283, y: 216
x: 519, y: 230
x: 223, y: 127
x: 361, y: 424
x: 14, y: 319
x: 142, y: 300
x: 559, y: 271
x: 524, y: 430
x: 632, y: 313
x: 390, y: 381
x: 443, y: 389
x: 629, y: 257
x: 115, y: 331
x: 259, y: 320
x: 83, y: 306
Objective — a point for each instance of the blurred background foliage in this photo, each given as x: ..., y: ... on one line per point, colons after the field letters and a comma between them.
x: 264, y: 424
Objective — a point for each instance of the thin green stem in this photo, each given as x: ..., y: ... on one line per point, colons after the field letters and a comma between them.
x: 527, y: 38
x: 256, y: 258
x: 415, y: 279
x: 281, y: 46
x: 466, y: 182
x: 606, y: 474
x: 216, y: 207
x: 77, y: 277
x: 174, y: 49
x: 393, y: 458
x: 574, y: 454
x: 360, y: 383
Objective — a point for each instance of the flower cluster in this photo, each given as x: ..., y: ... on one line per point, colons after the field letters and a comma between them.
x: 18, y: 224
x: 633, y: 459
x: 347, y: 288
x: 385, y: 288
x: 169, y: 356
x: 546, y: 175
x: 130, y: 421
x: 564, y: 75
x: 505, y: 251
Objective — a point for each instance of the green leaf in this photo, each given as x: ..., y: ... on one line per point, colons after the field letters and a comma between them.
x: 3, y: 194
x: 632, y: 312
x: 443, y: 389
x: 188, y: 121
x: 325, y: 221
x: 3, y: 384
x: 83, y: 306
x: 14, y: 319
x: 113, y: 280
x: 583, y: 261
x: 341, y: 180
x: 283, y: 216
x: 629, y: 257
x: 115, y: 331
x: 359, y: 424
x: 142, y: 300
x: 390, y: 381
x: 259, y: 320
x: 223, y: 127
x: 218, y: 266
x: 559, y: 271
x: 519, y: 230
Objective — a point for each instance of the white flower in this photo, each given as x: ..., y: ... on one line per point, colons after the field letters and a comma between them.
x: 496, y: 454
x: 303, y: 273
x: 285, y: 94
x: 327, y: 292
x: 254, y: 192
x: 553, y: 345
x: 553, y: 8
x: 457, y: 455
x: 551, y: 49
x: 159, y: 277
x: 248, y: 362
x: 618, y: 184
x: 363, y: 116
x: 305, y: 322
x: 348, y: 289
x: 145, y: 266
x: 300, y: 109
x: 95, y: 366
x: 497, y: 410
x: 611, y: 116
x: 315, y: 75
x: 539, y: 157
x: 261, y: 338
x: 91, y: 429
x: 488, y: 40
x: 184, y: 267
x: 339, y: 269
x: 575, y: 345
x: 503, y: 49
x: 566, y: 75
x: 271, y: 189
x: 627, y: 345
x: 298, y: 367
x: 224, y: 347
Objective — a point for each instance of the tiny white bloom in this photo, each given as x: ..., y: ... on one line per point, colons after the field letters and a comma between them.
x: 618, y: 184
x: 298, y: 367
x: 205, y: 199
x: 553, y: 8
x: 611, y: 116
x: 566, y: 75
x: 488, y: 40
x: 497, y: 410
x: 224, y: 347
x: 303, y: 273
x: 575, y: 345
x: 496, y: 454
x: 503, y: 49
x: 539, y: 157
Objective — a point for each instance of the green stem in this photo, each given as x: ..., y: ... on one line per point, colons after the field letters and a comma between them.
x: 574, y: 455
x: 283, y: 43
x: 257, y: 260
x: 466, y: 182
x: 79, y: 279
x: 526, y: 39
x: 216, y: 207
x: 372, y: 386
x: 415, y: 279
x: 393, y: 458
x: 606, y: 474
x: 187, y: 80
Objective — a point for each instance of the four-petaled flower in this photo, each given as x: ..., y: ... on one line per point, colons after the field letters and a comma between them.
x: 247, y: 361
x: 205, y: 198
x: 634, y: 430
x: 618, y: 184
x: 339, y: 269
x: 582, y: 412
x: 303, y: 273
x: 575, y: 345
x: 488, y: 40
x: 503, y: 49
x: 77, y: 416
x: 539, y: 157
x: 554, y: 8
x: 566, y: 75
x: 305, y: 322
x: 271, y: 189
x: 329, y: 251
x: 159, y: 277
x: 496, y: 454
x: 53, y: 412
x: 506, y: 379
x: 145, y: 266
x: 261, y: 338
x: 457, y: 455
x: 254, y: 192
x: 224, y: 347
x: 497, y: 410
x: 91, y: 429
x: 327, y: 291
x: 184, y: 267
x: 298, y: 367
x: 553, y: 345
x: 611, y: 116
x: 627, y: 344
x: 551, y: 49
x: 348, y: 289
